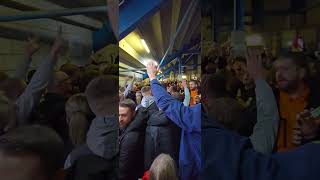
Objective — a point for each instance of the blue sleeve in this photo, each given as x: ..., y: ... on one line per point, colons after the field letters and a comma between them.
x: 228, y: 156
x: 187, y: 118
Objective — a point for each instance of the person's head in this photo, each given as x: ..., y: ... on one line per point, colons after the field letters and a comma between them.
x: 193, y: 85
x: 12, y: 88
x: 211, y: 67
x: 213, y: 87
x: 138, y: 96
x: 239, y: 66
x: 31, y: 153
x: 79, y: 116
x: 61, y: 84
x: 246, y: 79
x: 102, y: 95
x: 175, y: 93
x: 73, y: 71
x: 126, y: 112
x: 136, y: 86
x: 146, y: 91
x: 290, y: 70
x: 86, y: 77
x: 163, y: 168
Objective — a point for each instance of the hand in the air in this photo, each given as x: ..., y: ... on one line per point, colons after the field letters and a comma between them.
x: 254, y: 64
x: 58, y: 43
x: 32, y: 46
x: 152, y: 70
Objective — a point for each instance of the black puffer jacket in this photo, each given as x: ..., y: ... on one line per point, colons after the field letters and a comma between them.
x: 162, y: 136
x: 131, y: 143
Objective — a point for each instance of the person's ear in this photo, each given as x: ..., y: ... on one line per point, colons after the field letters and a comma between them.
x: 60, y: 175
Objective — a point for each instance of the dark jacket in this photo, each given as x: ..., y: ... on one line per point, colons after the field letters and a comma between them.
x: 131, y: 144
x: 89, y: 166
x: 162, y: 136
x: 98, y: 158
x: 51, y: 113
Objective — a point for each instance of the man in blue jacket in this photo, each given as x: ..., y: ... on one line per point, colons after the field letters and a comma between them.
x: 188, y: 119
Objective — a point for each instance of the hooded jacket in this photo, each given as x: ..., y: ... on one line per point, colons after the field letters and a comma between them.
x: 98, y: 158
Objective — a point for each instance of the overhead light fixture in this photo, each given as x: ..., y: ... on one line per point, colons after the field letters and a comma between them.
x: 145, y: 45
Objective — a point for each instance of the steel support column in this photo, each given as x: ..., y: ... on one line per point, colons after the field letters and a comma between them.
x: 192, y: 4
x: 238, y: 19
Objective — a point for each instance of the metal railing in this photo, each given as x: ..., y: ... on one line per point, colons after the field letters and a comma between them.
x: 53, y: 13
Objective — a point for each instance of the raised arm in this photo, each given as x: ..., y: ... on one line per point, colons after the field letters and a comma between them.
x: 265, y: 131
x: 186, y: 100
x: 31, y: 48
x: 32, y: 94
x: 129, y: 86
x: 187, y: 118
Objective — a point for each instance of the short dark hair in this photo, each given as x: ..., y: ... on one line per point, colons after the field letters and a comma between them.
x: 174, y: 88
x: 145, y: 89
x: 38, y: 141
x: 215, y: 85
x: 128, y: 103
x: 102, y: 87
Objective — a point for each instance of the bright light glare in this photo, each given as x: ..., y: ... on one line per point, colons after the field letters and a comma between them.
x: 147, y: 61
x: 145, y: 45
x: 184, y: 77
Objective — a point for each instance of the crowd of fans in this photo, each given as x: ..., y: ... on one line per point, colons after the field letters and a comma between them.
x: 253, y: 117
x: 63, y: 123
x: 49, y: 119
x: 147, y: 131
x: 267, y: 99
x: 292, y: 76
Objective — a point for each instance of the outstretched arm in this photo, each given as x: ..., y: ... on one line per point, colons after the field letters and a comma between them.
x: 265, y: 131
x: 186, y: 100
x: 188, y: 118
x: 31, y: 48
x: 32, y: 94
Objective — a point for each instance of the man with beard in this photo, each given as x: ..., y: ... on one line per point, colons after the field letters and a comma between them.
x: 228, y: 156
x: 296, y: 93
